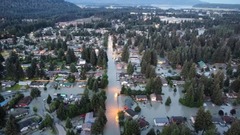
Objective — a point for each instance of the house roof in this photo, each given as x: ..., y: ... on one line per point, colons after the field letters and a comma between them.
x: 3, y: 103
x: 141, y: 96
x: 158, y: 97
x: 178, y: 119
x: 25, y: 100
x: 228, y: 119
x: 217, y: 120
x: 89, y: 118
x: 128, y: 102
x: 131, y: 112
x: 87, y: 126
x: 202, y: 64
x: 161, y: 120
x: 19, y: 111
x: 26, y: 123
x: 142, y: 123
x: 5, y: 83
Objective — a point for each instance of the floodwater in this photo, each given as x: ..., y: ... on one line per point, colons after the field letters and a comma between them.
x: 112, y: 106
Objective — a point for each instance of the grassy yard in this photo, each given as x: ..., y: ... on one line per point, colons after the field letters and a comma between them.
x: 15, y: 87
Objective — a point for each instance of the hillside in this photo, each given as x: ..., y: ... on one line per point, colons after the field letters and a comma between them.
x: 137, y: 2
x: 36, y: 8
x: 223, y: 6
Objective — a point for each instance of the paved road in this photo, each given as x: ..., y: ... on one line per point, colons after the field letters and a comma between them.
x: 112, y: 127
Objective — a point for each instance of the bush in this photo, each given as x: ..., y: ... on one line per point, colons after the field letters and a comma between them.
x: 168, y: 101
x: 137, y: 109
x: 175, y: 89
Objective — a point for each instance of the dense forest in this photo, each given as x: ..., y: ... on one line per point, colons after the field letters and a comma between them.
x: 36, y: 8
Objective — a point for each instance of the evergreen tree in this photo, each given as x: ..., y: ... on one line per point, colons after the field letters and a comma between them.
x: 61, y: 112
x: 131, y: 127
x: 157, y: 85
x: 73, y: 68
x: 93, y: 58
x: 217, y: 92
x: 95, y: 102
x: 203, y: 120
x: 68, y: 123
x: 174, y: 129
x: 130, y: 68
x: 104, y: 81
x: 125, y: 54
x: 102, y: 117
x: 168, y: 101
x: 49, y: 99
x: 2, y: 116
x: 35, y: 92
x: 234, y: 129
x: 12, y: 128
x: 1, y: 98
x: 95, y: 85
x: 151, y: 132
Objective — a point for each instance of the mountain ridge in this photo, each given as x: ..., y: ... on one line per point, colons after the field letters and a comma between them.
x: 137, y: 2
x: 36, y: 8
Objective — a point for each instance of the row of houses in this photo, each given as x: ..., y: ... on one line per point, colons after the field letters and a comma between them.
x: 163, y: 121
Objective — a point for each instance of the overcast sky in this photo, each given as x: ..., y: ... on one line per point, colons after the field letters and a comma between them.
x: 223, y: 1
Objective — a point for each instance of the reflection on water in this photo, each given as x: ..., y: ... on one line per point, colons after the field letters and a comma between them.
x: 112, y: 127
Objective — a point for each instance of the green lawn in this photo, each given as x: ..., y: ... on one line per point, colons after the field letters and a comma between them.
x: 15, y: 87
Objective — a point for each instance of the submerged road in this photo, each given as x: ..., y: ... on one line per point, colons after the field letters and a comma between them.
x: 112, y: 106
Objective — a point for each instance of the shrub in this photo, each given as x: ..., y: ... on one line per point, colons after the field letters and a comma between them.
x: 137, y: 109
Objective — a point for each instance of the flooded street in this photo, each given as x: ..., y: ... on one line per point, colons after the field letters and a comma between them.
x: 112, y: 126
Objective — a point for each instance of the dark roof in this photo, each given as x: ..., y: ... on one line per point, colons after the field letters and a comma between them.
x: 141, y: 96
x: 19, y: 111
x: 25, y: 100
x: 36, y: 83
x: 158, y: 97
x: 131, y: 112
x: 217, y: 120
x: 178, y: 119
x: 228, y: 119
x: 161, y: 120
x: 142, y: 123
x: 8, y: 83
x: 27, y: 123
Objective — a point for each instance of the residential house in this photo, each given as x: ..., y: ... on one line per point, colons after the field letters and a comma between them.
x: 158, y: 97
x: 231, y: 95
x: 19, y: 112
x: 228, y: 119
x: 36, y: 84
x: 143, y: 124
x: 8, y: 84
x: 164, y: 81
x: 202, y: 65
x: 86, y: 129
x: 131, y: 113
x: 178, y: 119
x: 128, y: 103
x: 217, y: 120
x: 161, y: 121
x: 89, y: 118
x: 4, y: 103
x: 141, y: 98
x: 66, y: 84
x: 8, y: 95
x: 153, y: 97
x: 24, y: 102
x: 24, y: 83
x: 27, y: 124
